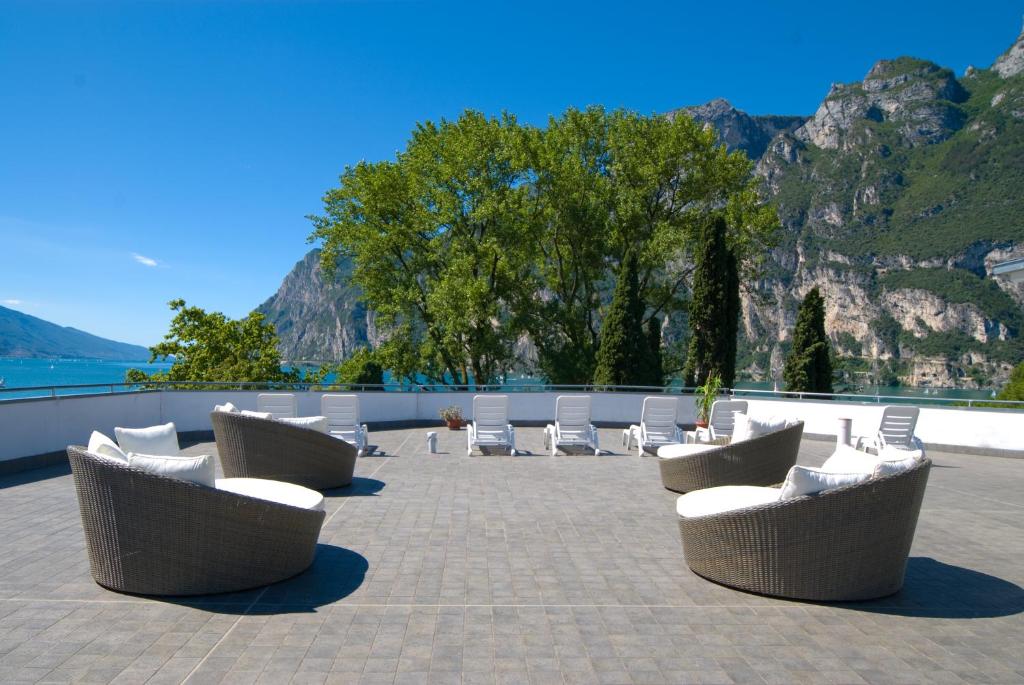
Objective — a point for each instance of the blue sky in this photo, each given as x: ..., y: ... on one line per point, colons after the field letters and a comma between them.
x: 154, y: 150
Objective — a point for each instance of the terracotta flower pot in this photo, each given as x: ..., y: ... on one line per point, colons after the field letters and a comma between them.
x: 702, y: 424
x: 454, y: 424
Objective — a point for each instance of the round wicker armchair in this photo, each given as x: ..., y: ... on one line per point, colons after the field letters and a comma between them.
x: 151, y: 535
x: 850, y: 543
x: 251, y: 447
x: 763, y: 460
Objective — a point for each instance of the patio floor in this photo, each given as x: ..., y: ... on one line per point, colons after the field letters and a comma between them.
x: 494, y: 569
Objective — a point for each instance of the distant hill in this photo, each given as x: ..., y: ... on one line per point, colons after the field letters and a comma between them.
x: 22, y: 335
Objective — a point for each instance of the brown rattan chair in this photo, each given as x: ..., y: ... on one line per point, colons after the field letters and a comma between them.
x: 151, y: 535
x: 252, y: 447
x: 763, y: 460
x: 850, y: 543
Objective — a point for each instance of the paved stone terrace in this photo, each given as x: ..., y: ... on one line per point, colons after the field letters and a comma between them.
x: 532, y: 569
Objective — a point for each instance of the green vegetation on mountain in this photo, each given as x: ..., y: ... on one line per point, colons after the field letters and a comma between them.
x: 933, y: 200
x: 23, y: 335
x: 960, y: 285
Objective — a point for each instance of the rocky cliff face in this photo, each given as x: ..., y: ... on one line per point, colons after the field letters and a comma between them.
x: 896, y: 198
x: 739, y: 130
x: 319, y: 321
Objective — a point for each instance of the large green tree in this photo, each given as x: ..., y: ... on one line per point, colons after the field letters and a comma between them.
x: 483, y: 232
x: 361, y: 368
x: 441, y: 248
x: 714, y: 309
x: 208, y: 346
x: 1014, y: 388
x: 608, y: 181
x: 625, y: 356
x: 809, y: 364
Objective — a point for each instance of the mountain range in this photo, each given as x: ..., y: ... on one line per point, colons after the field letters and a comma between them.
x: 23, y: 335
x: 896, y: 197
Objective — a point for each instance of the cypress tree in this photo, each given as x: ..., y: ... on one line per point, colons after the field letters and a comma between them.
x: 624, y: 353
x: 809, y: 364
x: 714, y: 310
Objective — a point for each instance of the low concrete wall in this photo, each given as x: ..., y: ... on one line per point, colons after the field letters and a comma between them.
x: 40, y: 426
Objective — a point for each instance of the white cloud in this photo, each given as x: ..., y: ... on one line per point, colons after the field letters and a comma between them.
x: 12, y: 302
x: 145, y: 261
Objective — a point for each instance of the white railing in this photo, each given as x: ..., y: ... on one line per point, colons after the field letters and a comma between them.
x: 42, y: 391
x: 49, y: 423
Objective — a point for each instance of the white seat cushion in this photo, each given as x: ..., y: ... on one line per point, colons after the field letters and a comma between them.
x: 160, y: 440
x: 680, y: 450
x: 747, y: 427
x: 804, y: 480
x: 226, y: 407
x: 257, y: 414
x: 105, y: 448
x: 274, y: 491
x: 193, y: 469
x: 724, y: 498
x: 317, y: 423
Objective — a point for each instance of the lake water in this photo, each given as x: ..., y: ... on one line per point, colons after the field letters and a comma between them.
x: 26, y: 373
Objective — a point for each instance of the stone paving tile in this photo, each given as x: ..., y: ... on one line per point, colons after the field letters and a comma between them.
x: 445, y: 568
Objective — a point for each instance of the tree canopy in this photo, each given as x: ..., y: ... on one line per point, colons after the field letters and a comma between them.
x: 483, y: 233
x: 208, y: 346
x: 809, y: 365
x: 1014, y: 388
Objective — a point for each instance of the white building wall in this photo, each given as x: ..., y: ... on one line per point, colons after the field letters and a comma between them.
x: 48, y: 425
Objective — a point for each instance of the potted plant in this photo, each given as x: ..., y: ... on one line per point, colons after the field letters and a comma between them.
x: 706, y: 396
x: 452, y: 415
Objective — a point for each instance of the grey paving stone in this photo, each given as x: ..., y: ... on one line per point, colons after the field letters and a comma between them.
x: 511, y: 570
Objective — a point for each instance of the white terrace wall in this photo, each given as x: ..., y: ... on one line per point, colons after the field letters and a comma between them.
x: 33, y: 427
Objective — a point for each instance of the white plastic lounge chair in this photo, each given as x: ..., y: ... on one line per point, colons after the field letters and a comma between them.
x: 722, y: 420
x: 490, y: 426
x: 572, y: 424
x: 896, y: 429
x: 280, y: 405
x: 342, y: 412
x: 657, y: 425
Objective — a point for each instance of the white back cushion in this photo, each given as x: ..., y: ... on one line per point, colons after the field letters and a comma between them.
x: 748, y: 427
x: 257, y: 414
x: 317, y: 423
x: 846, y: 459
x: 890, y: 467
x: 193, y: 469
x: 161, y: 440
x: 804, y: 480
x: 102, y: 446
x: 227, y: 406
